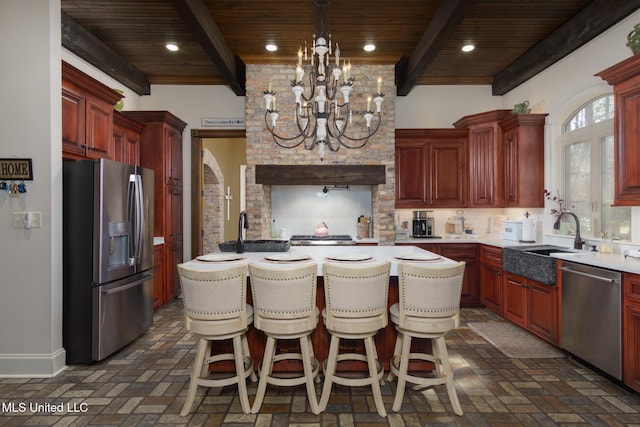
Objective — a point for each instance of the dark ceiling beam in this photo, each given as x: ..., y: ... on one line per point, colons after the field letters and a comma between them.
x: 198, y: 18
x: 444, y: 22
x: 81, y: 42
x: 597, y: 17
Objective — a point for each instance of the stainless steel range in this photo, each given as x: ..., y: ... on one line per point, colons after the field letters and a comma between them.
x: 330, y: 240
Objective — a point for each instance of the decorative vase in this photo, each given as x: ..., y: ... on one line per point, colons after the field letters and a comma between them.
x: 118, y: 105
x: 633, y: 39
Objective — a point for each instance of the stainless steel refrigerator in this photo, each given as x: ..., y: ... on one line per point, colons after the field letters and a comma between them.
x: 107, y: 257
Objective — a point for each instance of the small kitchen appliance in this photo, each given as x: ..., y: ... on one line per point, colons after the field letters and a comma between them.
x: 512, y: 230
x: 423, y: 225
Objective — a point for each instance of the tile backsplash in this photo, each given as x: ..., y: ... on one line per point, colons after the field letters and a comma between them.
x: 298, y: 208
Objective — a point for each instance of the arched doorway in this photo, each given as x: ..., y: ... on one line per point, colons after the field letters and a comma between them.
x: 215, y: 154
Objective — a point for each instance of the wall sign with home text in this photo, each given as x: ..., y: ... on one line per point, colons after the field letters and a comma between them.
x: 16, y: 169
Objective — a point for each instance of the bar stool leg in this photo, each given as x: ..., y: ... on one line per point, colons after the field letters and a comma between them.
x: 240, y: 369
x: 402, y: 372
x: 204, y: 369
x: 307, y: 355
x: 370, y: 348
x: 396, y: 355
x: 329, y: 371
x: 442, y: 355
x: 312, y: 356
x: 195, y: 374
x: 265, y: 371
x: 246, y: 353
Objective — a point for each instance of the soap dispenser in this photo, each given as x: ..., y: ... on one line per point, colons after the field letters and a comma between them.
x: 274, y: 229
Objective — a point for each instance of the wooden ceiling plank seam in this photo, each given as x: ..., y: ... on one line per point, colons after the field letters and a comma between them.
x: 199, y: 19
x: 87, y: 46
x: 597, y: 17
x: 444, y: 22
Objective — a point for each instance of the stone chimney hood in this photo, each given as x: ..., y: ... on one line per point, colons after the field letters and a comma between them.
x: 320, y: 175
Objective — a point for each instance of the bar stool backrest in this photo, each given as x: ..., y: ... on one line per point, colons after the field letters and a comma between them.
x: 429, y: 291
x: 213, y: 296
x: 356, y: 292
x: 283, y: 294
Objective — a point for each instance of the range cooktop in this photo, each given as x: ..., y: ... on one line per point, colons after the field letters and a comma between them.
x: 314, y: 237
x: 310, y: 239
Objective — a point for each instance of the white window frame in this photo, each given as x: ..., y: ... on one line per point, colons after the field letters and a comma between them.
x: 594, y: 134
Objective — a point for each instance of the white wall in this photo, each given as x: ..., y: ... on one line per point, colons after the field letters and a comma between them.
x: 31, y: 260
x: 441, y: 106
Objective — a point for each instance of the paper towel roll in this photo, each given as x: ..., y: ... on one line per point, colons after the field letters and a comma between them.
x: 528, y: 234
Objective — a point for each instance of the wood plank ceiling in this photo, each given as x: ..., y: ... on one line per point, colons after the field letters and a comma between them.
x: 514, y: 39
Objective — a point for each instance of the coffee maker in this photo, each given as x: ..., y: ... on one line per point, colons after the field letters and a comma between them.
x: 423, y: 224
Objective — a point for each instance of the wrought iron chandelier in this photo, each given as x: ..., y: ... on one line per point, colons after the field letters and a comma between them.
x: 323, y: 116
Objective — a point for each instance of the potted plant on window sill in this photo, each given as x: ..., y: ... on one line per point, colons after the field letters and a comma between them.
x: 556, y: 210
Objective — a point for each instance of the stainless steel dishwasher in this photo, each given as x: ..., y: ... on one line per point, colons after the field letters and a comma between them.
x: 591, y: 316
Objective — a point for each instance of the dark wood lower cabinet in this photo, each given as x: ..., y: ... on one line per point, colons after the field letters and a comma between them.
x: 158, y: 275
x: 631, y: 331
x: 542, y: 309
x: 514, y: 299
x: 531, y: 305
x: 467, y: 252
x: 490, y: 277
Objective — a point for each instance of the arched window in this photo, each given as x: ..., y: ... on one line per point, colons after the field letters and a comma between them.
x: 587, y: 141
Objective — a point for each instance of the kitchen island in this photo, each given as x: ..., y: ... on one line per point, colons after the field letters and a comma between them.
x: 385, y: 339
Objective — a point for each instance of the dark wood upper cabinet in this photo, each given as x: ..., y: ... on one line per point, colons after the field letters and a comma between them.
x: 431, y: 168
x: 524, y: 160
x: 126, y: 139
x: 486, y: 158
x: 87, y: 116
x: 625, y: 78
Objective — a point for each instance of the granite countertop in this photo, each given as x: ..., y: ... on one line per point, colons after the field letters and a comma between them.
x: 485, y: 239
x: 611, y: 261
x: 318, y: 254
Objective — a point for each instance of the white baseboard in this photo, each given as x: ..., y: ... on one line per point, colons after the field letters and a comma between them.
x: 32, y: 365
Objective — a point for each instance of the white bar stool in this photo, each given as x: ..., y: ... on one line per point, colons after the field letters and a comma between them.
x: 356, y: 297
x: 285, y: 308
x: 215, y: 309
x: 428, y: 307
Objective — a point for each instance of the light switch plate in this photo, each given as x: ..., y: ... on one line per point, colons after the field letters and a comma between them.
x: 18, y: 219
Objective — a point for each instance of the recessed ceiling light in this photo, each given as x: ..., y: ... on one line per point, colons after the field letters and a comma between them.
x: 172, y: 47
x: 468, y: 47
x: 271, y: 47
x: 369, y: 47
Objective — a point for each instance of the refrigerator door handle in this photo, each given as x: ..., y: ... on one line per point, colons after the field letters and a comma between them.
x: 139, y: 230
x: 128, y: 286
x: 132, y: 213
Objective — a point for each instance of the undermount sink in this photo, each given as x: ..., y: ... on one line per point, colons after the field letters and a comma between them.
x: 264, y: 245
x: 533, y: 262
x: 548, y: 251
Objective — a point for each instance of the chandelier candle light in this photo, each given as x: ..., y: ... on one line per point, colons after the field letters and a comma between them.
x: 320, y: 118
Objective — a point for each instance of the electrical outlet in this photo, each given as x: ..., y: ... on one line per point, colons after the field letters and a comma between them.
x: 27, y: 220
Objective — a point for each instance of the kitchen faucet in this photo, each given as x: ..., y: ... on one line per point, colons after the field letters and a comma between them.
x: 578, y: 242
x: 242, y: 223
